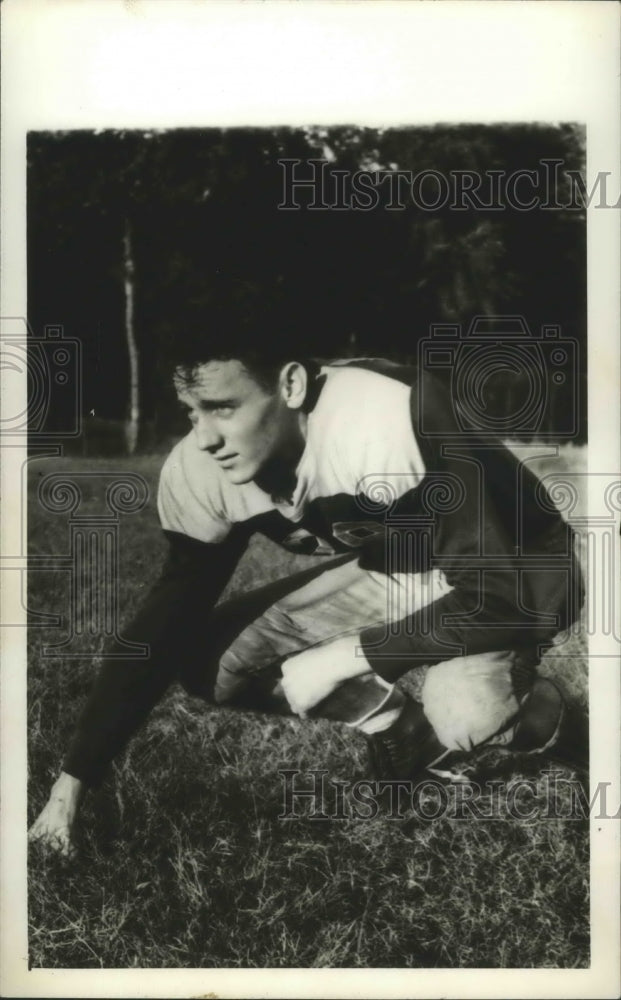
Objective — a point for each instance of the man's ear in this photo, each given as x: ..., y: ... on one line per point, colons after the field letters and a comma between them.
x: 293, y: 383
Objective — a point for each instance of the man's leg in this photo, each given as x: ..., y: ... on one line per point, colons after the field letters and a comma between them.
x: 202, y: 651
x: 495, y: 698
x: 257, y: 638
x: 250, y: 637
x: 467, y: 702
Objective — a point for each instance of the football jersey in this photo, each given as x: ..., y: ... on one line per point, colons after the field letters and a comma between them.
x: 360, y: 445
x: 383, y: 452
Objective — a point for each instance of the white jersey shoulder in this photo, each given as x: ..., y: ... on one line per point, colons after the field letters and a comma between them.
x: 195, y: 497
x: 360, y: 435
x: 359, y: 440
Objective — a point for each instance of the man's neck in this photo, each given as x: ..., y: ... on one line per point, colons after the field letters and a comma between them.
x: 278, y: 477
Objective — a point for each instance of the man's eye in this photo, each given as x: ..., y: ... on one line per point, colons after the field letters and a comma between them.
x: 223, y: 411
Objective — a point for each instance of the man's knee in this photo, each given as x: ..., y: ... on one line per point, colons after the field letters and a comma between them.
x: 470, y: 698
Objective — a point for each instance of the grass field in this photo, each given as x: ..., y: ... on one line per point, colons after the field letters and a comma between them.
x: 185, y: 863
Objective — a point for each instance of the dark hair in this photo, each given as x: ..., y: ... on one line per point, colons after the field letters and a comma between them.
x: 235, y: 320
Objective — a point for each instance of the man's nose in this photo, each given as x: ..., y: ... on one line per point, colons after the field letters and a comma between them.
x: 207, y: 434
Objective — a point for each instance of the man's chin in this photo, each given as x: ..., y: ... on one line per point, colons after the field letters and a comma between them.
x: 239, y: 476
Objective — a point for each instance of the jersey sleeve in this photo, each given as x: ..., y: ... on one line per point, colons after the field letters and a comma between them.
x: 192, y: 498
x: 170, y: 623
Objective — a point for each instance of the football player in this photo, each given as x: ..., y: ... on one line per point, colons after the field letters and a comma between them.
x: 440, y: 551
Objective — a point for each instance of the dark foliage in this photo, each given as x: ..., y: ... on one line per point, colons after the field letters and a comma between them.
x: 203, y: 205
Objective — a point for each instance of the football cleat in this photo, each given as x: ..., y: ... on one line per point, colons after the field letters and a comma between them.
x: 407, y: 748
x: 548, y: 726
x: 545, y: 725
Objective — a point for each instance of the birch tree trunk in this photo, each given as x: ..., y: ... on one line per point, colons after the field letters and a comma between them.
x: 132, y: 423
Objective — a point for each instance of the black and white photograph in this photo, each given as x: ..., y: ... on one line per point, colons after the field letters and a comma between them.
x: 315, y: 540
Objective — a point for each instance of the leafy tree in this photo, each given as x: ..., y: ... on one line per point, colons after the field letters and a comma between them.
x: 174, y: 209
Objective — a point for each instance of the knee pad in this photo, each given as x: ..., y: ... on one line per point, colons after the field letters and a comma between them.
x: 469, y: 699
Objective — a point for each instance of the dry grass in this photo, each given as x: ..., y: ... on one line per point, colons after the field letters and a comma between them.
x: 185, y: 863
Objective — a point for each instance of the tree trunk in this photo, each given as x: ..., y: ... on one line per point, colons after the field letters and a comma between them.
x: 132, y: 423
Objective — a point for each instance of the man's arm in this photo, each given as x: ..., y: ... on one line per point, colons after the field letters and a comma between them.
x: 477, y: 539
x: 125, y: 691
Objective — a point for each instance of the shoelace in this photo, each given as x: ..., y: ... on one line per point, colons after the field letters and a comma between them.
x: 457, y: 777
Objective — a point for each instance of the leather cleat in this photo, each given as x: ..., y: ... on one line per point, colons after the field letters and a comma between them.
x: 407, y: 748
x: 545, y: 726
x: 548, y: 726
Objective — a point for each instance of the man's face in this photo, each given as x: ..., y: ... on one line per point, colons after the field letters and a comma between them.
x: 235, y: 419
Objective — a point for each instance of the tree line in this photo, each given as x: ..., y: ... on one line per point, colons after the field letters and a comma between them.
x: 127, y: 231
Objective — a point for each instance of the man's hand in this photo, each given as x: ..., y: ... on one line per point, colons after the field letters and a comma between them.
x: 310, y: 676
x: 54, y: 826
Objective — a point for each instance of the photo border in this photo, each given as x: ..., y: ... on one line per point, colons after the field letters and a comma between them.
x: 98, y: 64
